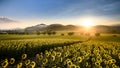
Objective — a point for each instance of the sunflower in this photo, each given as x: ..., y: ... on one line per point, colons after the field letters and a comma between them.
x: 53, y: 53
x: 72, y: 66
x: 106, y: 62
x: 52, y: 58
x: 111, y: 61
x: 5, y: 63
x: 65, y: 54
x: 97, y: 63
x: 77, y: 66
x: 67, y: 60
x: 93, y: 59
x: 114, y: 66
x: 74, y: 59
x: 69, y: 63
x: 61, y: 59
x: 37, y: 56
x: 58, y: 54
x: 99, y: 59
x: 79, y: 59
x: 86, y: 64
x: 33, y: 64
x: 24, y: 56
x: 12, y: 61
x: 27, y: 62
x: 19, y: 65
x: 119, y: 56
x: 44, y: 61
x: 41, y: 57
x: 47, y: 54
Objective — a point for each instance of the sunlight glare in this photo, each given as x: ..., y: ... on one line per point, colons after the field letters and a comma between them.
x: 87, y: 23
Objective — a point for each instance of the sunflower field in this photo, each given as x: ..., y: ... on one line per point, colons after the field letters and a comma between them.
x: 59, y: 53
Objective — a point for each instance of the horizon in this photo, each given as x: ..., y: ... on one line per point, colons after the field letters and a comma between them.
x: 60, y: 24
x: 26, y: 13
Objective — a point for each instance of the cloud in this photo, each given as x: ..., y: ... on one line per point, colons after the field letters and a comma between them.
x: 7, y: 20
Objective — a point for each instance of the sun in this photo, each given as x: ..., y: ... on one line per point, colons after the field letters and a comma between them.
x: 87, y: 23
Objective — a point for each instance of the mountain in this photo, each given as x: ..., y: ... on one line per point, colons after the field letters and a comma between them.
x: 6, y: 20
x: 36, y: 27
x: 54, y: 27
x: 60, y: 27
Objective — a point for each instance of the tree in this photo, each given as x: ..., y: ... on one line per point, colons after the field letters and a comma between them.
x: 38, y: 32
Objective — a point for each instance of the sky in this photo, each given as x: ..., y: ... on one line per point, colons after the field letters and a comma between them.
x: 24, y: 13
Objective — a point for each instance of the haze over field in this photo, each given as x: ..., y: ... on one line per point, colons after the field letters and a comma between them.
x: 24, y: 13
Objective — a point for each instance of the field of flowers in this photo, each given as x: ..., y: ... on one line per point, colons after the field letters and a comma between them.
x: 59, y: 53
x: 15, y: 48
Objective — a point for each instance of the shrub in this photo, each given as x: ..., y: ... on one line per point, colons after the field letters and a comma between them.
x: 97, y: 34
x: 53, y: 32
x: 44, y: 33
x: 71, y: 33
x: 38, y: 33
x: 49, y: 33
x: 114, y: 35
x: 81, y: 33
x: 87, y: 34
x: 62, y: 34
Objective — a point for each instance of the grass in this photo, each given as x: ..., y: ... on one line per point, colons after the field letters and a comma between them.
x: 107, y: 37
x: 19, y: 37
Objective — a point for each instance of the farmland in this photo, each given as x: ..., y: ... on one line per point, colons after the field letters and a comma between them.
x: 56, y: 51
x: 59, y: 33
